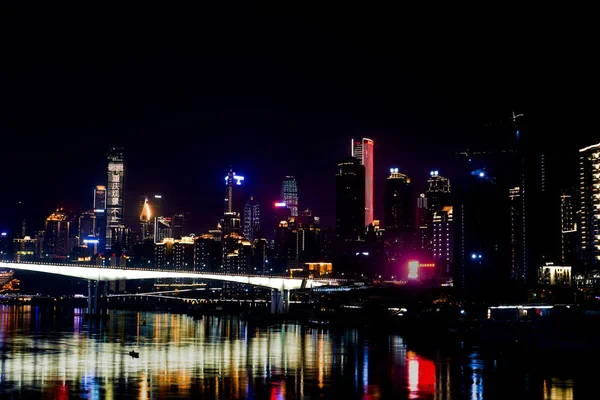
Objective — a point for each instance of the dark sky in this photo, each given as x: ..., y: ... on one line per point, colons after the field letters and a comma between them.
x: 275, y: 90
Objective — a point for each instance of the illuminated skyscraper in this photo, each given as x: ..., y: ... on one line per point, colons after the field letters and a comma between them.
x: 251, y: 219
x: 178, y: 225
x: 399, y: 211
x: 289, y: 194
x: 56, y: 235
x: 442, y: 238
x: 234, y: 193
x: 518, y: 265
x: 146, y: 220
x: 100, y: 211
x: 115, y: 195
x: 362, y: 150
x: 422, y: 222
x: 589, y: 173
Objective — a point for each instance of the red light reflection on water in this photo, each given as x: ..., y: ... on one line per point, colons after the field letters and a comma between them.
x: 421, y: 375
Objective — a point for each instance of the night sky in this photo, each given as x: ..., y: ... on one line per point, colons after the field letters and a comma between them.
x: 272, y: 91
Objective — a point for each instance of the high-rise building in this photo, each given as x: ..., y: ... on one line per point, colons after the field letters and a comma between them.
x: 100, y: 211
x: 398, y: 210
x: 178, y: 225
x: 438, y: 197
x: 25, y: 249
x: 289, y: 194
x: 146, y: 220
x: 442, y: 238
x: 115, y: 194
x: 56, y: 235
x: 350, y: 200
x: 589, y: 174
x: 234, y: 193
x: 423, y: 223
x: 251, y: 220
x: 518, y: 265
x: 162, y: 229
x: 568, y: 232
x: 87, y: 226
x: 362, y: 150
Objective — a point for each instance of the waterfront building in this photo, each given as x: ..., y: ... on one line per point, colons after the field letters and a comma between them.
x: 589, y: 191
x: 289, y: 194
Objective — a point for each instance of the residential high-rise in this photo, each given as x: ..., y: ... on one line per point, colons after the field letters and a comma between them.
x: 589, y: 174
x: 568, y: 232
x: 362, y: 150
x: 234, y: 193
x: 518, y: 265
x: 100, y: 211
x: 115, y: 195
x: 251, y: 220
x: 289, y: 194
x: 350, y: 200
x: 399, y: 211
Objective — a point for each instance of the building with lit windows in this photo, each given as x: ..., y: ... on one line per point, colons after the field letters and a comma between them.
x: 115, y: 195
x: 568, y: 233
x: 422, y: 223
x: 589, y: 191
x: 555, y: 275
x: 56, y: 235
x: 251, y: 219
x: 162, y: 229
x: 100, y: 211
x: 289, y: 194
x: 442, y: 239
x: 234, y: 193
x: 86, y: 226
x: 518, y: 257
x: 362, y: 150
x: 25, y: 249
x: 399, y: 211
x: 178, y: 225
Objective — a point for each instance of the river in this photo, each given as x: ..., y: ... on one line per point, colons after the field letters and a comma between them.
x: 52, y: 353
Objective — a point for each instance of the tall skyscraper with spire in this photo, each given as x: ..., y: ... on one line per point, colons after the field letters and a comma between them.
x: 115, y: 195
x: 362, y: 150
x: 234, y: 193
x: 289, y: 194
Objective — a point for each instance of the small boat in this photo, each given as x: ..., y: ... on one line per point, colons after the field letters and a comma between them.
x: 134, y: 354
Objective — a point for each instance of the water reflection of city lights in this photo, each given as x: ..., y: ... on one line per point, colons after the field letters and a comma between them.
x: 421, y: 375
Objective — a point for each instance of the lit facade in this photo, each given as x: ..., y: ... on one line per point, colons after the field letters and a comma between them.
x: 289, y: 194
x: 555, y: 275
x: 437, y: 197
x: 362, y: 150
x: 422, y: 222
x: 25, y: 249
x: 251, y: 219
x: 442, y: 239
x: 568, y: 233
x: 115, y: 194
x: 100, y: 211
x: 56, y: 235
x: 234, y: 193
x: 518, y: 265
x: 146, y: 220
x: 87, y: 226
x: 589, y: 173
x: 162, y: 229
x: 398, y: 210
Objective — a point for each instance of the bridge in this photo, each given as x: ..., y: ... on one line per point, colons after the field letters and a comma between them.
x: 94, y: 274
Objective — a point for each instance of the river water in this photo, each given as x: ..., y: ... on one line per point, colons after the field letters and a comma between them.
x: 51, y: 353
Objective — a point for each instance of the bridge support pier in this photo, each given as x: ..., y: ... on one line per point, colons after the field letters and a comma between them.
x: 280, y: 301
x: 94, y: 309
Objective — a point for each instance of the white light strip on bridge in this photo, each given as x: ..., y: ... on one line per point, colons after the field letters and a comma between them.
x: 116, y: 274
